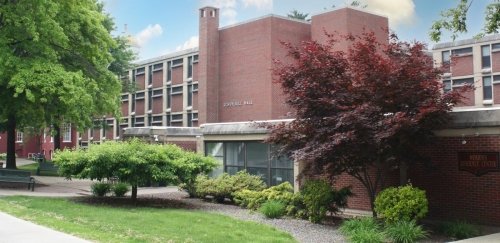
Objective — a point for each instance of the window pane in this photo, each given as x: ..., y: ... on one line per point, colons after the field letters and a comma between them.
x: 487, y: 90
x: 463, y: 81
x: 233, y: 169
x: 235, y: 154
x: 447, y: 85
x: 446, y: 56
x: 282, y: 162
x: 257, y: 154
x: 279, y: 176
x: 485, y: 57
x: 262, y: 172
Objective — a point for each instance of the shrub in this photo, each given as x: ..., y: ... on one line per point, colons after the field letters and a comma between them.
x: 405, y: 203
x: 189, y: 166
x: 459, y: 230
x: 273, y: 209
x: 120, y: 189
x: 405, y: 232
x: 3, y: 156
x: 254, y: 199
x: 226, y: 186
x: 319, y: 197
x: 100, y: 189
x: 363, y: 230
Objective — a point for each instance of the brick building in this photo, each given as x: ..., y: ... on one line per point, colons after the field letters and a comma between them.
x: 207, y: 99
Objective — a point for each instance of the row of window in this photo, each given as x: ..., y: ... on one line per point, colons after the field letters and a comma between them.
x: 171, y: 64
x: 486, y: 51
x: 253, y: 156
x: 171, y: 91
x: 65, y: 131
x: 488, y: 82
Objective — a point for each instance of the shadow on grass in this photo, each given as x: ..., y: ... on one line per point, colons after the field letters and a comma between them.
x: 127, y: 202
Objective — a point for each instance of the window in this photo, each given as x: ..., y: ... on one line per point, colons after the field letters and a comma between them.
x: 133, y: 76
x: 254, y: 156
x: 177, y: 90
x: 125, y: 97
x: 158, y: 67
x: 138, y: 122
x: 195, y: 87
x: 487, y: 88
x: 195, y: 116
x: 177, y: 62
x: 157, y: 120
x: 190, y: 95
x: 150, y: 75
x: 169, y: 71
x: 150, y: 99
x: 195, y: 58
x: 169, y: 98
x: 117, y: 129
x: 168, y: 119
x: 485, y: 57
x: 139, y: 95
x: 140, y: 71
x: 66, y: 131
x: 150, y: 120
x: 176, y: 118
x: 133, y: 102
x: 19, y: 137
x: 495, y: 46
x: 450, y: 84
x: 157, y: 93
x: 189, y: 119
x: 462, y: 51
x: 446, y: 59
x: 190, y: 67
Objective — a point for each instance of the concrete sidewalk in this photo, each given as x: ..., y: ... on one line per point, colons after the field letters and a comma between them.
x: 482, y: 239
x: 14, y: 230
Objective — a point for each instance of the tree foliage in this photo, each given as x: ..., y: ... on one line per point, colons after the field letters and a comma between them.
x: 295, y: 14
x: 133, y: 162
x: 360, y: 111
x: 55, y: 65
x: 455, y: 20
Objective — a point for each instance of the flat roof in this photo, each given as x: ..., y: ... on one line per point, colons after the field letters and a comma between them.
x: 471, y: 41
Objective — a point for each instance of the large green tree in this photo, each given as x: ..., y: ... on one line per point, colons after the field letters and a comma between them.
x: 454, y: 20
x: 55, y: 58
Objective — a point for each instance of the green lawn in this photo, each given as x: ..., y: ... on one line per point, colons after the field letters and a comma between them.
x: 136, y: 224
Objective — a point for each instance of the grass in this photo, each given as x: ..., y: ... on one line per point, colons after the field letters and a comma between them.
x: 459, y: 230
x: 137, y: 224
x: 33, y: 167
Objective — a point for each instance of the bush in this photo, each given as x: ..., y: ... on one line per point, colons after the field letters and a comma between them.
x: 362, y: 230
x: 100, y: 189
x: 226, y: 186
x: 3, y: 156
x: 459, y: 230
x: 189, y: 166
x: 120, y: 189
x: 273, y: 209
x: 404, y: 203
x: 319, y: 197
x: 254, y: 199
x: 405, y: 232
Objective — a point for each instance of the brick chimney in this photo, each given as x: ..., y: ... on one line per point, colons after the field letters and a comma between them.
x: 208, y: 75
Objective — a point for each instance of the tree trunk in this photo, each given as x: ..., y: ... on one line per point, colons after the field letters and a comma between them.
x: 372, y: 202
x: 57, y: 137
x: 134, y: 193
x: 403, y: 173
x: 11, y: 142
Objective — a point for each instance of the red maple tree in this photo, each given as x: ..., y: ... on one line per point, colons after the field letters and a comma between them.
x: 361, y: 111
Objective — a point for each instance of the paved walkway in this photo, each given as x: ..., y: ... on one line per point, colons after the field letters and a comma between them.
x: 14, y: 230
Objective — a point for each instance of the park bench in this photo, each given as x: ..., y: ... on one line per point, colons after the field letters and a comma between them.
x: 46, y: 166
x: 17, y: 176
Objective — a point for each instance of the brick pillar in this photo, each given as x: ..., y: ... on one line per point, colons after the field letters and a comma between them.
x: 208, y: 74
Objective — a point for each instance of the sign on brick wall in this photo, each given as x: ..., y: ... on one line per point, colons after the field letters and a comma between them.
x: 478, y: 163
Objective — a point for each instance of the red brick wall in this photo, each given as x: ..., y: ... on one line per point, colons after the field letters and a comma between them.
x: 158, y: 79
x: 157, y: 105
x: 177, y: 103
x: 452, y: 194
x: 468, y: 99
x: 124, y: 108
x: 294, y: 33
x: 139, y: 107
x: 347, y: 20
x: 455, y: 194
x: 109, y: 133
x: 495, y: 60
x: 462, y: 66
x: 177, y: 75
x: 187, y: 145
x: 496, y: 93
x: 195, y: 71
x: 139, y: 80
